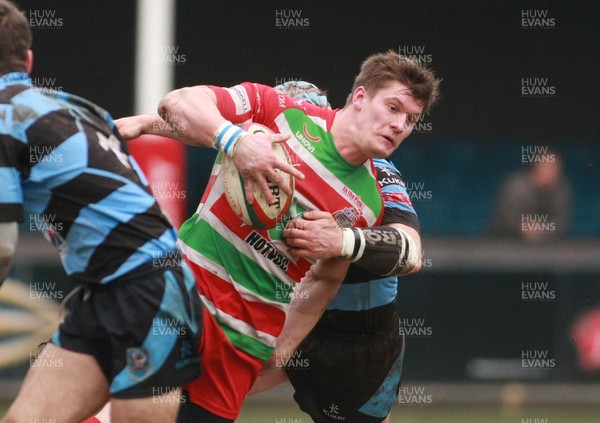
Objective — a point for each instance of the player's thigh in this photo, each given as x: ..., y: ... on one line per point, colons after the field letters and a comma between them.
x: 160, y: 408
x: 61, y: 385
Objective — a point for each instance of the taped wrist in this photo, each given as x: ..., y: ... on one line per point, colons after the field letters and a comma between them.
x: 227, y: 138
x: 381, y: 250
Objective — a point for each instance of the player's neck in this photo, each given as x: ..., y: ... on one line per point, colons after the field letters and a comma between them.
x: 343, y: 132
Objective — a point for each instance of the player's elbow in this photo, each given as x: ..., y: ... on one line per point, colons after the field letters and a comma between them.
x: 174, y: 103
x: 169, y: 103
x: 416, y: 268
x: 411, y: 261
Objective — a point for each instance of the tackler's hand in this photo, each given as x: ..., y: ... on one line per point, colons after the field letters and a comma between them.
x: 316, y: 235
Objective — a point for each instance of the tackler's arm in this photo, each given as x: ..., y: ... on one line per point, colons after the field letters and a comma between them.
x: 393, y: 250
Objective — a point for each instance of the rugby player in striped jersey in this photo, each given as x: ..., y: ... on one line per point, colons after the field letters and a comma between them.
x: 350, y: 365
x: 132, y: 331
x: 246, y: 276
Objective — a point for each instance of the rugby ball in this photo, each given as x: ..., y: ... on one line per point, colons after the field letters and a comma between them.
x: 260, y: 214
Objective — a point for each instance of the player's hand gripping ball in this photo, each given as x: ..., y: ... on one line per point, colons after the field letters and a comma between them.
x: 259, y: 214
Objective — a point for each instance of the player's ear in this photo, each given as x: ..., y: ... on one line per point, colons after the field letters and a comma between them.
x: 358, y: 96
x: 29, y: 61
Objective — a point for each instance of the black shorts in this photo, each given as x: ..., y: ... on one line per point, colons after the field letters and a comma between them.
x: 348, y: 377
x: 143, y: 330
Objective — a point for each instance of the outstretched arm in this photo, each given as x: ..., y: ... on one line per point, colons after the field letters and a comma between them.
x: 190, y: 115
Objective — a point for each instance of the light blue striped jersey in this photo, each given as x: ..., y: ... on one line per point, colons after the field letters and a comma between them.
x: 63, y: 162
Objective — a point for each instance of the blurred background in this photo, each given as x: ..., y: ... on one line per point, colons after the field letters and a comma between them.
x: 504, y: 318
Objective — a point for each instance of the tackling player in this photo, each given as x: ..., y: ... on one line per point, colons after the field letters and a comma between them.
x: 245, y: 276
x: 133, y: 328
x: 349, y: 366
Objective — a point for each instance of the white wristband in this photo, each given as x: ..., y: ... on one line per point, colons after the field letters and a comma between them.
x: 348, y: 241
x: 227, y: 138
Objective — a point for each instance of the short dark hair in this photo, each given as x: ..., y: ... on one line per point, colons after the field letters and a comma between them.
x: 381, y: 68
x: 15, y: 38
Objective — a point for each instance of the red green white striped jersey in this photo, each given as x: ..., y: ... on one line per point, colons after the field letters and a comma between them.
x: 245, y: 276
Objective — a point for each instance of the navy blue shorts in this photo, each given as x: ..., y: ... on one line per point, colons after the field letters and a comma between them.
x: 352, y: 377
x: 143, y: 330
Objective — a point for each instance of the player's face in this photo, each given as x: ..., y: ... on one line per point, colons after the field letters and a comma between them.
x: 386, y: 118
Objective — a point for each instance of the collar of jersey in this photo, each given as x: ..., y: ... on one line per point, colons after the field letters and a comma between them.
x: 13, y: 78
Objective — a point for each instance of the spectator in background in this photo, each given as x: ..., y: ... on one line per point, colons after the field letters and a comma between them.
x: 534, y: 204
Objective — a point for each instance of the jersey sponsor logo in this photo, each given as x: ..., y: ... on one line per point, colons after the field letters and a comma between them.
x: 281, y: 100
x: 267, y: 249
x: 390, y: 180
x: 346, y: 218
x: 240, y: 99
x: 138, y: 362
x: 333, y: 412
x: 388, y: 176
x: 396, y: 197
x: 307, y: 135
x: 354, y: 198
x: 304, y: 141
x: 258, y: 102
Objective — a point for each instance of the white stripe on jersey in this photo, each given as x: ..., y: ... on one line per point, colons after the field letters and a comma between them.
x: 301, y: 199
x: 216, y: 169
x: 219, y: 271
x: 318, y: 120
x: 318, y: 167
x: 240, y: 98
x: 238, y: 325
